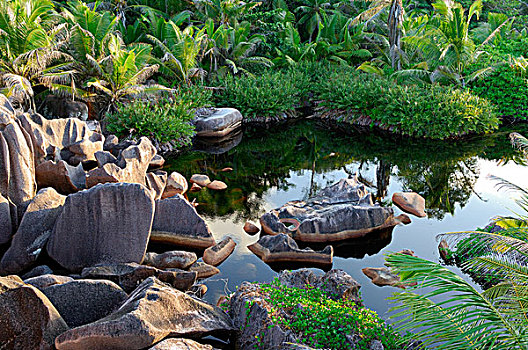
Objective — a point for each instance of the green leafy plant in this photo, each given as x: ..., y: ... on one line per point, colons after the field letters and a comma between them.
x: 163, y: 121
x: 422, y: 111
x: 324, y: 323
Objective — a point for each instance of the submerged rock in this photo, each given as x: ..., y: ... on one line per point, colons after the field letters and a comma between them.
x: 251, y: 228
x: 33, y: 233
x: 382, y: 276
x: 109, y: 223
x: 129, y: 276
x: 28, y: 319
x: 342, y: 211
x: 216, y: 254
x: 282, y: 248
x: 152, y: 312
x: 218, y: 124
x: 217, y: 185
x: 199, y: 179
x: 177, y: 222
x: 203, y: 270
x: 410, y: 202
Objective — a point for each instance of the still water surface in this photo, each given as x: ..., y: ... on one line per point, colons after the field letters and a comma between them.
x: 294, y: 161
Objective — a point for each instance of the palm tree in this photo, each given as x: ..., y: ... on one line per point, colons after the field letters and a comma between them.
x: 451, y: 313
x: 179, y: 48
x: 311, y: 13
x: 224, y: 12
x: 122, y: 73
x: 30, y: 50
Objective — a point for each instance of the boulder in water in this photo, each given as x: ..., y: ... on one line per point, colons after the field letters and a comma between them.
x: 218, y: 124
x: 410, y: 202
x: 342, y: 211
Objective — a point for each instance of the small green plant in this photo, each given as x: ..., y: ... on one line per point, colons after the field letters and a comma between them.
x: 163, y: 121
x: 430, y: 111
x: 269, y: 94
x: 324, y: 323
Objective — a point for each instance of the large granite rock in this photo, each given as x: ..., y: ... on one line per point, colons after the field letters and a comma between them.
x: 282, y: 248
x: 180, y: 344
x: 28, y: 320
x: 129, y: 276
x: 69, y: 139
x: 174, y: 259
x: 177, y: 222
x: 342, y: 211
x: 216, y: 254
x: 61, y: 176
x: 218, y: 124
x: 151, y: 313
x: 33, y: 233
x: 131, y: 166
x: 6, y: 225
x: 84, y: 301
x: 17, y: 163
x: 109, y: 223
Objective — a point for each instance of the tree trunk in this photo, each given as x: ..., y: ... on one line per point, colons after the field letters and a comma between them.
x: 394, y: 24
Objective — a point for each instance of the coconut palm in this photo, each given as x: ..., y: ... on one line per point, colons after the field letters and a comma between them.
x: 122, y: 73
x: 311, y: 13
x: 30, y: 50
x: 179, y: 49
x: 223, y: 12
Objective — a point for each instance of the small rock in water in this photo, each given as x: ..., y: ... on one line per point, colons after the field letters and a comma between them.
x: 251, y: 228
x: 195, y: 188
x: 443, y: 249
x: 204, y: 270
x: 410, y: 202
x: 198, y: 290
x: 216, y: 254
x: 382, y: 276
x: 202, y: 180
x: 403, y: 218
x: 217, y: 185
x: 226, y: 169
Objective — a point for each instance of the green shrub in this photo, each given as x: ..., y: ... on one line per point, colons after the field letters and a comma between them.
x: 268, y: 94
x: 323, y: 323
x: 422, y: 111
x: 165, y: 120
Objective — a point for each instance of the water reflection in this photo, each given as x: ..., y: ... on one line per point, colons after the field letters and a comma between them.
x: 294, y: 161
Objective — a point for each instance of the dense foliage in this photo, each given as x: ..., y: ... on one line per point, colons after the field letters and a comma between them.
x: 324, y: 323
x: 258, y: 56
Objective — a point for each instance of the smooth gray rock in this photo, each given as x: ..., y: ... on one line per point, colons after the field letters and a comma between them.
x: 342, y: 211
x: 218, y: 124
x: 177, y: 222
x: 129, y: 276
x: 178, y: 259
x: 45, y: 281
x: 34, y: 230
x: 282, y: 248
x: 38, y: 271
x: 109, y: 223
x: 84, y: 301
x: 28, y: 319
x: 151, y: 313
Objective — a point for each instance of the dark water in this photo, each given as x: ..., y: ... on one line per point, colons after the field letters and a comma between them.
x: 294, y: 161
